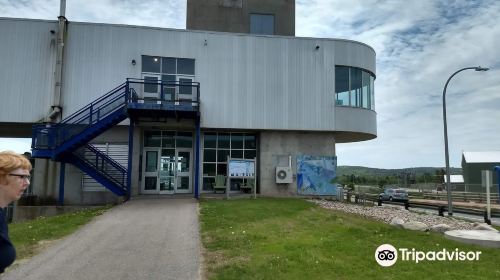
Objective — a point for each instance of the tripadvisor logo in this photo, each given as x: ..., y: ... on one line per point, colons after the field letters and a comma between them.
x: 387, y: 255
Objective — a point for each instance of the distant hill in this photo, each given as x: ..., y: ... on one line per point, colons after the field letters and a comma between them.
x: 368, y: 171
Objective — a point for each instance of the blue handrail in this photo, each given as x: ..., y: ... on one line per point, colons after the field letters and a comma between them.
x: 103, y: 164
x: 50, y: 136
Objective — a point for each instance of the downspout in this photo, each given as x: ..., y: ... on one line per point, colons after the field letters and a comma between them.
x: 56, y: 108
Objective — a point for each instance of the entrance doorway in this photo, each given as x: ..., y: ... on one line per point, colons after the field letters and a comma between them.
x: 167, y: 171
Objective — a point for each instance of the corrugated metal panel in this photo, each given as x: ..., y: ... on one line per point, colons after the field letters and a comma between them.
x: 247, y: 81
x: 27, y: 53
x: 118, y: 152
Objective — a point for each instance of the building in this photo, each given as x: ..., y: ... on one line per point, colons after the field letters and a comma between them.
x: 472, y: 165
x: 158, y: 111
x: 456, y: 182
x: 275, y: 17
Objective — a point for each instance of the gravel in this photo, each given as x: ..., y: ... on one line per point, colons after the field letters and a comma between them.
x: 386, y: 213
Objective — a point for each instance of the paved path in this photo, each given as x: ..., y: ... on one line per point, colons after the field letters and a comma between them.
x: 141, y: 239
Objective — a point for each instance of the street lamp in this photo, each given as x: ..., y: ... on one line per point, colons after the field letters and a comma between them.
x: 448, y: 184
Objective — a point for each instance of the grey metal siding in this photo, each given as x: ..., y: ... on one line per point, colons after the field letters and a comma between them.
x: 247, y: 81
x: 27, y: 53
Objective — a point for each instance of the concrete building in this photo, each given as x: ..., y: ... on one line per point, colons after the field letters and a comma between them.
x: 472, y: 165
x: 275, y: 17
x: 150, y: 110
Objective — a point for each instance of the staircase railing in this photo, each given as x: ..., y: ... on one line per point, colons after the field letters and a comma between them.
x: 103, y: 164
x: 166, y: 91
x: 49, y: 136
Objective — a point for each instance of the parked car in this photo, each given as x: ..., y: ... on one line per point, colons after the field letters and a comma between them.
x: 394, y: 194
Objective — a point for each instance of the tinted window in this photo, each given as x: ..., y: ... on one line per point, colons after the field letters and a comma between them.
x: 236, y: 141
x: 184, y: 139
x: 209, y: 155
x: 152, y: 139
x: 185, y: 66
x: 224, y: 140
x: 210, y: 140
x: 341, y: 79
x: 150, y: 64
x: 250, y: 142
x: 168, y: 65
x: 261, y: 24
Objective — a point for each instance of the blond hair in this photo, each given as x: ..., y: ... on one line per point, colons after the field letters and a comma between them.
x: 10, y: 161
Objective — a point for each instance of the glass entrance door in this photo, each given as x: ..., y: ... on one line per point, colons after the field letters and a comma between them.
x: 167, y: 171
x: 150, y: 168
x: 183, y: 172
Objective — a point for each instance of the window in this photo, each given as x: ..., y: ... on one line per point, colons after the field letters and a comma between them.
x: 342, y: 85
x: 218, y: 146
x: 262, y: 24
x: 185, y: 66
x: 168, y: 139
x: 354, y: 87
x: 176, y: 74
x: 150, y: 64
x: 167, y: 65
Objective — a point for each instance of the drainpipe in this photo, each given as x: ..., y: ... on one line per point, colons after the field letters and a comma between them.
x: 61, y: 33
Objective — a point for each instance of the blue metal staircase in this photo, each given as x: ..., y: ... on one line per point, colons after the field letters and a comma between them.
x: 101, y: 167
x: 68, y: 140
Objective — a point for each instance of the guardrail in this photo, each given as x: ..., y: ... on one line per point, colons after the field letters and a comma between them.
x: 458, y: 196
x: 363, y: 197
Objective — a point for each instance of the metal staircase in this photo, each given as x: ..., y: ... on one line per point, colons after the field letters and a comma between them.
x: 101, y: 167
x: 68, y: 140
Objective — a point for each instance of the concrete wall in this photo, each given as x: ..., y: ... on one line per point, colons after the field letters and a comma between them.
x: 275, y: 147
x: 234, y: 15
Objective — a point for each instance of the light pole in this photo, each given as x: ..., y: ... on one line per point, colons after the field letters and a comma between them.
x: 447, y: 157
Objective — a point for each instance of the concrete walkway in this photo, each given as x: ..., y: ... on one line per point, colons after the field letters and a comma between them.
x: 140, y: 239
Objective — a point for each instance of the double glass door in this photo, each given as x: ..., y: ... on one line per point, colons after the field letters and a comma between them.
x: 167, y: 171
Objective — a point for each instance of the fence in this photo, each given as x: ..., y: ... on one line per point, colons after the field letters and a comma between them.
x: 372, y: 199
x: 456, y: 196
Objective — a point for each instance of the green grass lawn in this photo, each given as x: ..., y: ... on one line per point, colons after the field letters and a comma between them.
x: 295, y: 239
x: 29, y: 236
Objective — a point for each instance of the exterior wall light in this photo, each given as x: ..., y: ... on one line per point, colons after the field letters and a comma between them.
x: 133, y: 62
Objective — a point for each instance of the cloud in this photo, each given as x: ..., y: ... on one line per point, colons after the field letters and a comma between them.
x: 157, y: 13
x: 419, y: 44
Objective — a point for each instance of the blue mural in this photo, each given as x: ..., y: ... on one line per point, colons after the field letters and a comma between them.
x: 315, y: 175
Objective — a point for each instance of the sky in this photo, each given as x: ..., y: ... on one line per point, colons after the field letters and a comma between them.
x: 419, y: 44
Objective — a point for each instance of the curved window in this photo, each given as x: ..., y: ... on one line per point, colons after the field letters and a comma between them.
x: 354, y: 87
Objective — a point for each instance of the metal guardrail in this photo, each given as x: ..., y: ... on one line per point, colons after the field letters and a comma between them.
x: 103, y: 164
x: 458, y: 196
x: 362, y: 197
x: 52, y: 135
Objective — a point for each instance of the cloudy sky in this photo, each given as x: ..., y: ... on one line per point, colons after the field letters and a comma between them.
x: 419, y: 44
